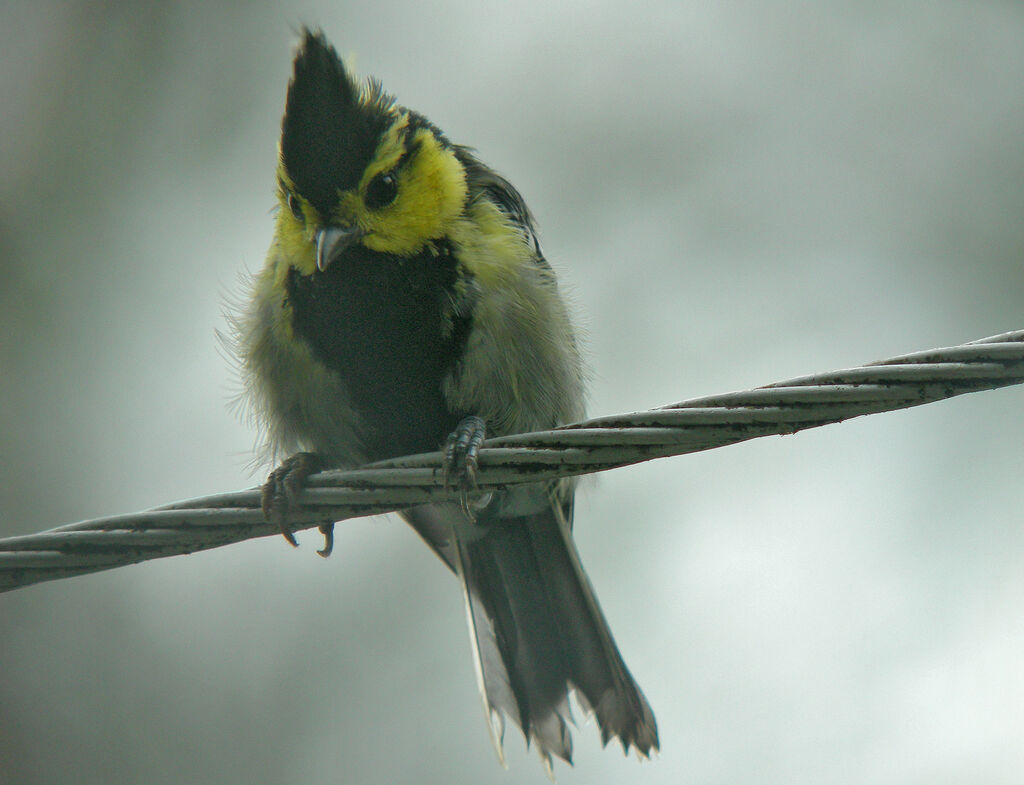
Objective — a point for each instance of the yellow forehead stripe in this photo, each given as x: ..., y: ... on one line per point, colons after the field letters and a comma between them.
x: 389, y: 151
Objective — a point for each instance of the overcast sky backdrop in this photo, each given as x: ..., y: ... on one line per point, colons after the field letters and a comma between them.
x: 734, y: 193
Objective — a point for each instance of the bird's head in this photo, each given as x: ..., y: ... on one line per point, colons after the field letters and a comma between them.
x: 355, y: 168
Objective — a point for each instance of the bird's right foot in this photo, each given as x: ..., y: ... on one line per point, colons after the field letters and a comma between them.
x: 280, y: 492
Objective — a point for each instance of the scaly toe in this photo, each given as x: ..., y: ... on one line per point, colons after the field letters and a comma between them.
x: 279, y: 494
x: 461, y: 453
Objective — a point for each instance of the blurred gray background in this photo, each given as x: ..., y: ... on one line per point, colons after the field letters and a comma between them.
x: 735, y: 193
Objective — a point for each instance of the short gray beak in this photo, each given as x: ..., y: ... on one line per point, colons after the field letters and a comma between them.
x: 331, y: 241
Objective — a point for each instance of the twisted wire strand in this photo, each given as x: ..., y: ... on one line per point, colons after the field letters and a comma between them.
x: 581, y: 448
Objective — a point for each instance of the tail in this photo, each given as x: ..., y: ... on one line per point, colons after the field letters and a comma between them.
x: 539, y: 632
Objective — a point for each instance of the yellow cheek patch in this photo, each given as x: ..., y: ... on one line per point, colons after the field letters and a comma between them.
x: 292, y: 237
x: 431, y: 195
x: 296, y: 246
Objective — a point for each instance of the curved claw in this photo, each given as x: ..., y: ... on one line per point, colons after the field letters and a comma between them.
x: 279, y: 493
x: 327, y: 530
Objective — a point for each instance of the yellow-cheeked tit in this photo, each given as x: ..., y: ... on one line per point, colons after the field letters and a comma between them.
x: 405, y: 299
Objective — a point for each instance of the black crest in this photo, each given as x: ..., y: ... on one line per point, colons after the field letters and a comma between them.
x: 328, y: 136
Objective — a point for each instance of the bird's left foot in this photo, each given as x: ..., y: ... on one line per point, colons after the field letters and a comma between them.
x: 461, y: 453
x: 280, y: 491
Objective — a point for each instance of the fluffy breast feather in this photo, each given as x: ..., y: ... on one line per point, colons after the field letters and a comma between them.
x: 297, y: 403
x: 521, y: 369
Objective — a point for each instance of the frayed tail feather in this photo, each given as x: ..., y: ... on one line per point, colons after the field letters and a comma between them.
x: 495, y: 720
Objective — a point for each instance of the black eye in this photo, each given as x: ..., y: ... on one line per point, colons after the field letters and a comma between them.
x: 381, y: 191
x: 296, y: 207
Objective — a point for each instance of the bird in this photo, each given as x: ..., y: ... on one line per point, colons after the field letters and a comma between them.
x: 405, y: 306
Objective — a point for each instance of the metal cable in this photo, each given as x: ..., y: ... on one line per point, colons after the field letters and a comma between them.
x: 581, y: 448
